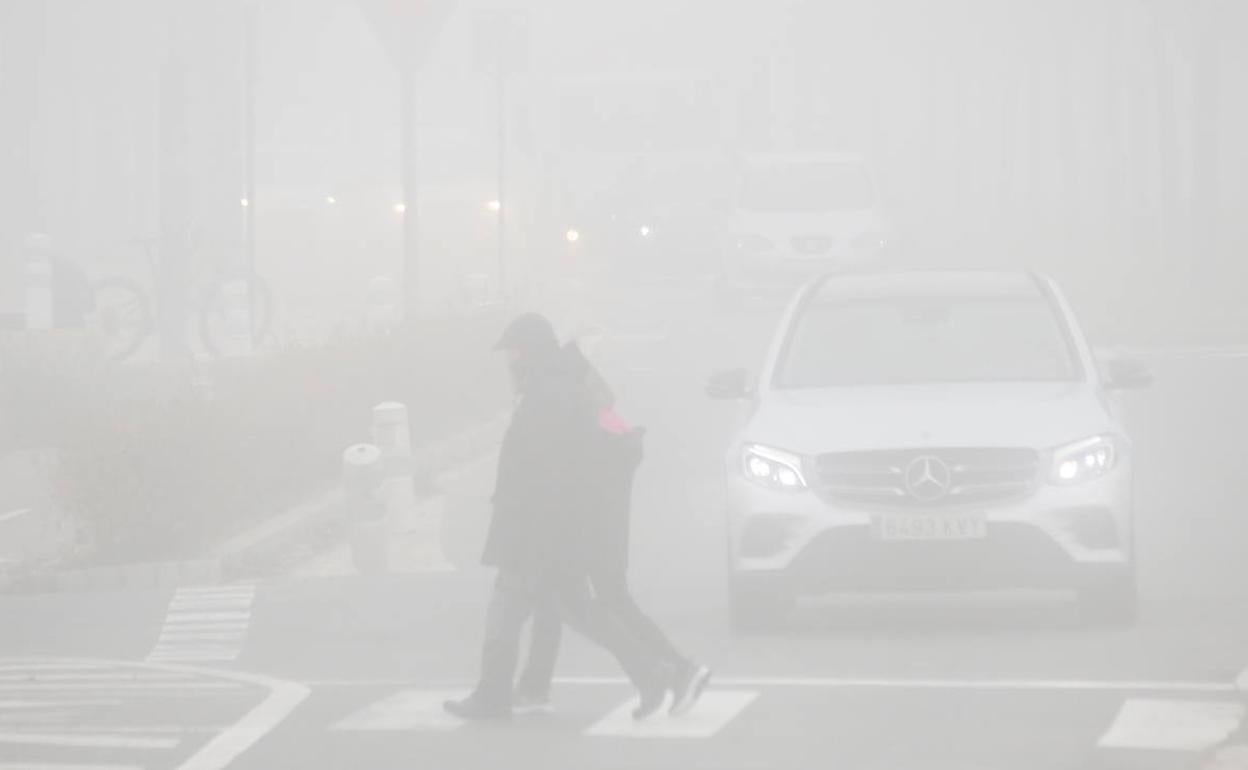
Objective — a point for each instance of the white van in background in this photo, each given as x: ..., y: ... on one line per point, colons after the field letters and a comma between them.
x: 792, y: 217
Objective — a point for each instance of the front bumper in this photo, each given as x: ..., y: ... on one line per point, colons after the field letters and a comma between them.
x: 1055, y: 538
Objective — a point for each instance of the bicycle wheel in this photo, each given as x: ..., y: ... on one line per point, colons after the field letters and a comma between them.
x: 123, y: 316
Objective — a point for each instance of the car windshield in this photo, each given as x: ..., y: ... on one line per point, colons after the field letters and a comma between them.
x: 809, y: 187
x: 912, y: 341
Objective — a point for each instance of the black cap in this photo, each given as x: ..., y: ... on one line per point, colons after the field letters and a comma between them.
x: 529, y: 333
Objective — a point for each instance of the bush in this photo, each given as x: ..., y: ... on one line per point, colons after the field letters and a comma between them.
x: 161, y: 461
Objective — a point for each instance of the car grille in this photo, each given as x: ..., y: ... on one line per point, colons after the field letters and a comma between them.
x: 927, y: 478
x: 813, y: 244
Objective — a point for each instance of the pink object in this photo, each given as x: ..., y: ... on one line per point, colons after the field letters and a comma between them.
x: 612, y: 422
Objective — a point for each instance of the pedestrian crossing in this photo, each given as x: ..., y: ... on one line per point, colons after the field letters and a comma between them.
x: 57, y: 715
x: 205, y: 625
x: 421, y: 710
x: 1172, y: 725
x: 1169, y: 725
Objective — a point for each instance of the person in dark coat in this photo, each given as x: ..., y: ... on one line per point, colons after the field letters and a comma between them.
x: 537, y: 532
x: 616, y: 451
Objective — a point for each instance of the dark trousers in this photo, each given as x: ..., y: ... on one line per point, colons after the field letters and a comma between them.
x: 518, y: 597
x: 611, y: 592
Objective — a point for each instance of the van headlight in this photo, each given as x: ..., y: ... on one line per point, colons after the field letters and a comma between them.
x: 749, y: 243
x: 872, y: 240
x: 773, y: 467
x: 1084, y: 460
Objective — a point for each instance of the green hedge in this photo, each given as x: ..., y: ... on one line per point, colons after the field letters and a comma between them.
x: 161, y: 461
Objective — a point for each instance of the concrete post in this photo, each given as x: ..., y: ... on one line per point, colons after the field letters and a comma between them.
x: 385, y: 305
x: 236, y: 302
x: 362, y: 476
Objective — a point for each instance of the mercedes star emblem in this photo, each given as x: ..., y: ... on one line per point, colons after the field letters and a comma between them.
x: 928, y: 478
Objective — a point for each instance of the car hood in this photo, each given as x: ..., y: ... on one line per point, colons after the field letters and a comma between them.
x: 1038, y: 416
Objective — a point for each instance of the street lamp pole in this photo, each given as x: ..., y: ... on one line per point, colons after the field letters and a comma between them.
x: 502, y: 181
x: 250, y: 33
x: 409, y: 178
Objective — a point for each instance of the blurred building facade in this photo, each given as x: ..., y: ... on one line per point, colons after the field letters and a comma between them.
x: 1090, y: 139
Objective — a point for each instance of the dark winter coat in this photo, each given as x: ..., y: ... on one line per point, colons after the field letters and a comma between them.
x: 542, y: 467
x: 563, y: 493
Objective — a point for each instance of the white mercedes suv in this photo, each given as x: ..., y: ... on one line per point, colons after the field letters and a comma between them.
x: 934, y: 431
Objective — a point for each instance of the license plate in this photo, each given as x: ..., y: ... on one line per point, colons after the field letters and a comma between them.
x: 931, y: 526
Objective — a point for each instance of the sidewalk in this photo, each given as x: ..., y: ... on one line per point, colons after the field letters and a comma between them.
x: 31, y: 527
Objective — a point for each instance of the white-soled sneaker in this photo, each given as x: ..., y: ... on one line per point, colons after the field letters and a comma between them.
x: 532, y: 705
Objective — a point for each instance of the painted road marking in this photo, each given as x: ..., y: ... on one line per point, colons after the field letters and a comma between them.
x: 407, y: 710
x: 1163, y: 725
x: 1194, y: 351
x: 112, y: 676
x: 191, y: 628
x: 11, y: 515
x: 62, y: 766
x: 220, y: 752
x: 38, y: 666
x: 200, y: 636
x: 176, y: 617
x: 24, y: 705
x: 850, y: 683
x: 714, y: 712
x: 217, y: 754
x: 83, y: 741
x: 209, y: 603
x: 205, y: 625
x: 126, y: 687
x: 1070, y: 685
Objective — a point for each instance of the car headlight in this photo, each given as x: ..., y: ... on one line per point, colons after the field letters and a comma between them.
x: 753, y: 244
x: 773, y: 467
x: 1084, y: 460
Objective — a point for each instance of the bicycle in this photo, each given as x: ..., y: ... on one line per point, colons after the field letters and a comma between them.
x: 127, y: 316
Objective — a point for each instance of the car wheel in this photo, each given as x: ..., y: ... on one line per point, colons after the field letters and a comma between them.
x: 1112, y: 601
x: 757, y: 607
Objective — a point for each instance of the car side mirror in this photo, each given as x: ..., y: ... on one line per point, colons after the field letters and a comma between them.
x: 729, y: 385
x: 1127, y: 374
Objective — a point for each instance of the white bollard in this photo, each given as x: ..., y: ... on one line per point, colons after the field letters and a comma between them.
x: 40, y: 315
x: 414, y: 532
x: 236, y: 301
x: 362, y: 475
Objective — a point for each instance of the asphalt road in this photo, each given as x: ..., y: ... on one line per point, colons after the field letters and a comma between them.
x: 1001, y: 682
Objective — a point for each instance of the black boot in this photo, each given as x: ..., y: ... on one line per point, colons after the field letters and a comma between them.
x: 474, y: 708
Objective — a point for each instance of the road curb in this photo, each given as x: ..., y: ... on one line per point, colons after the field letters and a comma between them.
x: 1233, y: 753
x: 250, y: 553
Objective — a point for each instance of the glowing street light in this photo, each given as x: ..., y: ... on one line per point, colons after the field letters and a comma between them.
x: 400, y: 208
x: 494, y: 206
x: 244, y: 203
x: 331, y: 200
x: 645, y: 231
x: 572, y: 235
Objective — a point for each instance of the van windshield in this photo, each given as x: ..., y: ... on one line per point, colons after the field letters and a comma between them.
x: 808, y: 187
